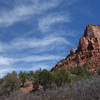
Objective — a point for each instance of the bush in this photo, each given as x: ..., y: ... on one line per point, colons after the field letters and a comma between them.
x: 31, y: 75
x: 48, y: 79
x: 10, y: 83
x: 36, y: 84
x: 23, y: 76
x: 43, y: 78
x: 98, y: 72
x: 81, y: 71
x: 61, y: 77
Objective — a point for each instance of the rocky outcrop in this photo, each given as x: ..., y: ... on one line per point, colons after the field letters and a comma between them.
x: 88, y: 51
x: 72, y: 51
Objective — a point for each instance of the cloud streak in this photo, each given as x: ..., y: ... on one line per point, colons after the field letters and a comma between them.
x: 46, y: 22
x: 10, y: 61
x: 23, y: 12
x: 25, y: 9
x: 39, y: 58
x: 29, y: 43
x: 5, y: 60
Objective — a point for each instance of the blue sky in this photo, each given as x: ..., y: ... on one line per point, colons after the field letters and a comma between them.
x: 37, y: 34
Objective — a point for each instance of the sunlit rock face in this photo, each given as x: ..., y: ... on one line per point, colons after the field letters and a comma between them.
x: 91, y: 39
x: 88, y: 51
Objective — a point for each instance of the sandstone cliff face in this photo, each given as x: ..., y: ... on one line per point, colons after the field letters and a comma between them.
x: 88, y: 51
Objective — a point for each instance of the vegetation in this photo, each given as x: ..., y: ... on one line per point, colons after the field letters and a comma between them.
x: 82, y: 71
x: 84, y: 89
x: 23, y: 76
x: 73, y: 85
x: 10, y: 83
x: 61, y: 77
x: 45, y: 79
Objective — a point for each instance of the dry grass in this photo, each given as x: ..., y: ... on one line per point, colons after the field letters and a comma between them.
x: 85, y: 89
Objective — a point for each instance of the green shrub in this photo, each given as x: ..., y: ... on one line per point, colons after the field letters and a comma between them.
x: 23, y: 76
x: 61, y: 77
x: 31, y: 75
x: 36, y: 84
x: 44, y: 78
x: 81, y: 71
x: 10, y: 83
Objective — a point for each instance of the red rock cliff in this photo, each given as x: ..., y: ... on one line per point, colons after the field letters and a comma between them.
x: 88, y: 51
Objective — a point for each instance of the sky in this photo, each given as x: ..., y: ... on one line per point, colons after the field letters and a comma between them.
x: 37, y: 34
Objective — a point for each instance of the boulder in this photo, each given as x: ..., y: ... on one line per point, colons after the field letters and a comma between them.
x: 72, y: 51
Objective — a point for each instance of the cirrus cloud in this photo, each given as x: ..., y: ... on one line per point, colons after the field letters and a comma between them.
x: 46, y: 22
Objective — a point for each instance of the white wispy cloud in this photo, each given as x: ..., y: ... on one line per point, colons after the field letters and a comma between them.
x: 38, y: 58
x: 46, y: 22
x: 5, y: 61
x: 22, y: 12
x: 35, y: 58
x: 29, y: 43
x: 19, y: 13
x: 24, y: 9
